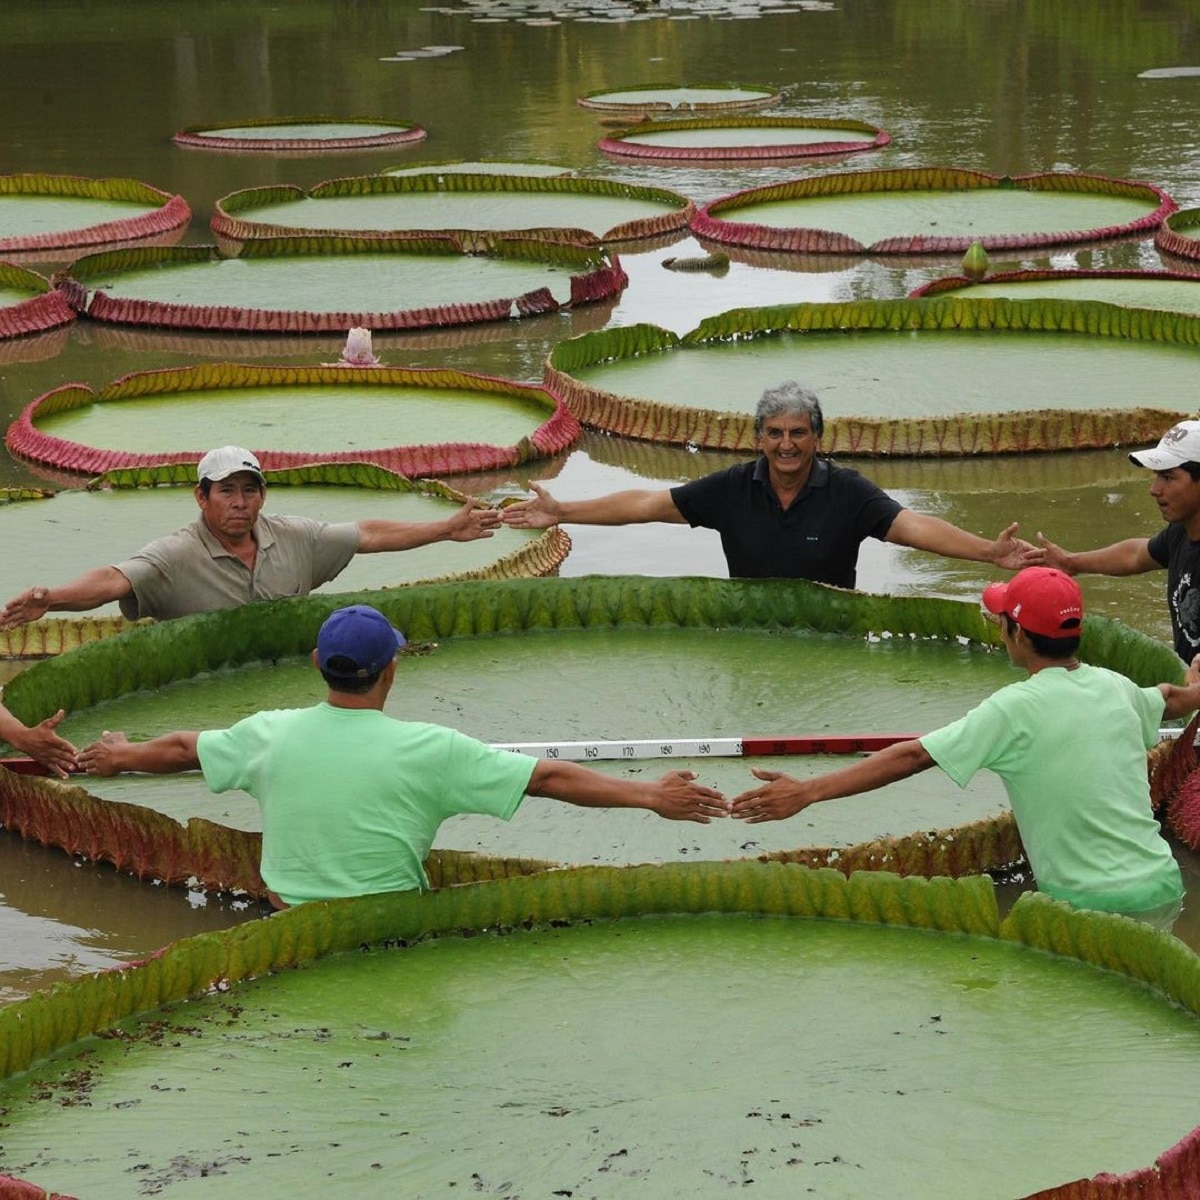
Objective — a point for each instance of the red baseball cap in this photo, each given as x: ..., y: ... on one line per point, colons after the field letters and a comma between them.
x: 1041, y: 600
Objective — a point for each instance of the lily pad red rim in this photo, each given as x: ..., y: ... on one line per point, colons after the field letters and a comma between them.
x: 46, y: 308
x: 712, y: 226
x: 595, y: 99
x: 391, y: 134
x: 1169, y: 238
x: 963, y: 284
x: 234, y: 229
x: 25, y: 441
x: 172, y: 211
x: 615, y: 144
x: 595, y: 276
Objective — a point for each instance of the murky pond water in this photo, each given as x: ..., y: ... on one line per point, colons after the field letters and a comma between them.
x: 97, y: 89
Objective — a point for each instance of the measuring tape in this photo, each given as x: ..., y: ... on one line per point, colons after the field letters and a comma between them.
x: 741, y: 747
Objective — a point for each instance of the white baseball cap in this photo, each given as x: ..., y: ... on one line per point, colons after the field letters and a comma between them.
x: 225, y: 461
x: 1180, y: 444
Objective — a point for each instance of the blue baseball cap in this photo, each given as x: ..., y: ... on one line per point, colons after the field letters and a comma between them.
x: 361, y: 634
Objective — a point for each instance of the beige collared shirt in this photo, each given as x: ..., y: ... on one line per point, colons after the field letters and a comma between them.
x: 189, y: 571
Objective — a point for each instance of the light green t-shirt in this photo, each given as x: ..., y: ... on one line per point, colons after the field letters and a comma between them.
x: 351, y: 799
x: 1071, y: 747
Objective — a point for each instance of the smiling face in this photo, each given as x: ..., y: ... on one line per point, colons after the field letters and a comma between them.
x: 1177, y: 495
x: 789, y: 445
x: 232, y: 506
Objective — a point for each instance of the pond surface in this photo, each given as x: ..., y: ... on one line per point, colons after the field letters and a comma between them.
x: 97, y: 89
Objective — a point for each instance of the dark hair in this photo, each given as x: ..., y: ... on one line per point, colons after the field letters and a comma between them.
x: 789, y: 397
x: 1193, y: 469
x: 352, y: 686
x: 1045, y: 647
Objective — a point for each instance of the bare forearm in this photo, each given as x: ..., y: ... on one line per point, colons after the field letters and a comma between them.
x: 573, y: 784
x: 1130, y: 557
x: 1181, y: 701
x: 166, y: 755
x: 88, y: 591
x: 922, y: 532
x: 621, y: 508
x: 876, y: 770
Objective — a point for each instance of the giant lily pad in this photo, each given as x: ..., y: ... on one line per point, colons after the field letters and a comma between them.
x: 660, y: 98
x: 147, y: 418
x: 733, y: 138
x: 301, y: 134
x: 475, y: 210
x: 927, y: 210
x: 1170, y: 290
x: 659, y: 631
x: 297, y: 285
x: 55, y: 212
x: 28, y: 304
x: 927, y: 996
x: 914, y: 377
x: 110, y: 521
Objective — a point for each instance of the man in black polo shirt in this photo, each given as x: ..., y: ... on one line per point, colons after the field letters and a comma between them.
x: 788, y: 514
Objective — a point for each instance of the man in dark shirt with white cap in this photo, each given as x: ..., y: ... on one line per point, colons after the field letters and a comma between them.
x: 1175, y: 488
x: 234, y: 553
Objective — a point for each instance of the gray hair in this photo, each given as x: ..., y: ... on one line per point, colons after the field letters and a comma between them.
x: 789, y: 397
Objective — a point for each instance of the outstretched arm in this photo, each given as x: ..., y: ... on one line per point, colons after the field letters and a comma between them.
x: 39, y: 741
x: 783, y: 796
x: 619, y: 508
x: 675, y: 796
x: 923, y: 532
x: 1130, y: 557
x: 471, y: 522
x: 1186, y: 699
x: 90, y: 590
x: 166, y: 755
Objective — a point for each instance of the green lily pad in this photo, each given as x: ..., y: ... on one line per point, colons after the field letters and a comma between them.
x: 1169, y: 290
x: 791, y: 1052
x: 679, y: 98
x: 476, y: 209
x: 732, y: 138
x: 301, y: 133
x: 48, y: 213
x: 932, y: 211
x: 290, y: 285
x: 916, y: 377
x: 142, y: 419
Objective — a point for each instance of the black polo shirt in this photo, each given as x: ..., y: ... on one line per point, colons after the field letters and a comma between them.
x: 816, y: 538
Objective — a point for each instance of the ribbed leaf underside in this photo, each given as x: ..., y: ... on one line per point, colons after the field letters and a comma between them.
x: 619, y: 144
x: 559, y: 431
x: 169, y: 212
x: 1179, y: 234
x: 595, y: 276
x: 35, y: 1027
x: 227, y: 225
x: 969, y: 433
x: 730, y: 219
x: 209, y: 137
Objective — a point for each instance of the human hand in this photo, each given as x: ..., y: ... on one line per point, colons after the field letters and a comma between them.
x: 41, y: 743
x: 101, y: 757
x: 1049, y: 555
x: 1010, y: 552
x: 1192, y: 675
x: 539, y: 513
x: 678, y: 798
x: 473, y: 521
x: 31, y: 605
x: 782, y: 796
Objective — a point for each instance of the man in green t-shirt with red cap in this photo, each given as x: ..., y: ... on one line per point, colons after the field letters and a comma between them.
x: 1070, y: 744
